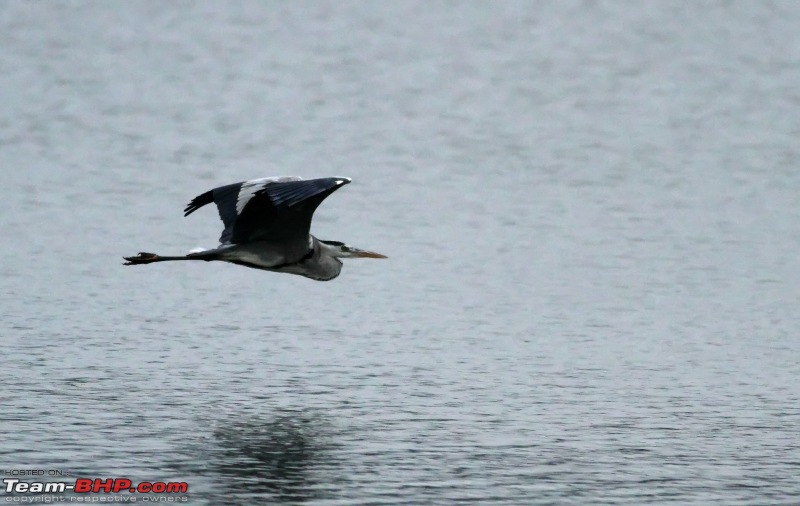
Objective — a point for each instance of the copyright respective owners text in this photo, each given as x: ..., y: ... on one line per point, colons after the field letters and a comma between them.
x: 25, y: 486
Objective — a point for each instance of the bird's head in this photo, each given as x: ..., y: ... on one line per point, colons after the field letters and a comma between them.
x: 342, y: 250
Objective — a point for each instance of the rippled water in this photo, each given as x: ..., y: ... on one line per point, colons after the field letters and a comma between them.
x: 591, y: 212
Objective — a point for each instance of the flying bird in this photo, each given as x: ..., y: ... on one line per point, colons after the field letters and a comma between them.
x: 267, y: 226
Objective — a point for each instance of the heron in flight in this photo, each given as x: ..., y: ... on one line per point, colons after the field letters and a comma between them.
x: 267, y: 223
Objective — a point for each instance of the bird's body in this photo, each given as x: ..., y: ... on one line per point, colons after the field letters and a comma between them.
x: 267, y: 223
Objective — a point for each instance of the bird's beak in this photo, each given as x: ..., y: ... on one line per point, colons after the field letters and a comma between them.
x: 359, y: 253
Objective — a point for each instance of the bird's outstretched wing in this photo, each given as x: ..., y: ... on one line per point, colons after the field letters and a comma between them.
x: 271, y: 208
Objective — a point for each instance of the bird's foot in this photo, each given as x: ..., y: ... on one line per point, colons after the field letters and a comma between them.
x: 141, y: 258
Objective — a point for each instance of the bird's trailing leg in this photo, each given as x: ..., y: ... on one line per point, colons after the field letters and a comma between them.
x: 148, y: 258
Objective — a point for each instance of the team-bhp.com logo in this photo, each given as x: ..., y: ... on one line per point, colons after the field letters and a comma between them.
x: 96, y: 486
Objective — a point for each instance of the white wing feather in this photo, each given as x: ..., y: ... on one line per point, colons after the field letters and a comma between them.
x: 249, y: 188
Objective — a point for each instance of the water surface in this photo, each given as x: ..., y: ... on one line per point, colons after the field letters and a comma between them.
x: 591, y: 213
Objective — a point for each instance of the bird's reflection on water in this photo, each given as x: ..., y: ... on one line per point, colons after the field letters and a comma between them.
x: 283, y: 457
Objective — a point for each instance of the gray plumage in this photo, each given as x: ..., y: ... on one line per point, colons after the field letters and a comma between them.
x: 267, y: 226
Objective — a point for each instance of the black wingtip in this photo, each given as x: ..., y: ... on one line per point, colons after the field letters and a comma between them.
x: 307, y: 191
x: 198, y: 202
